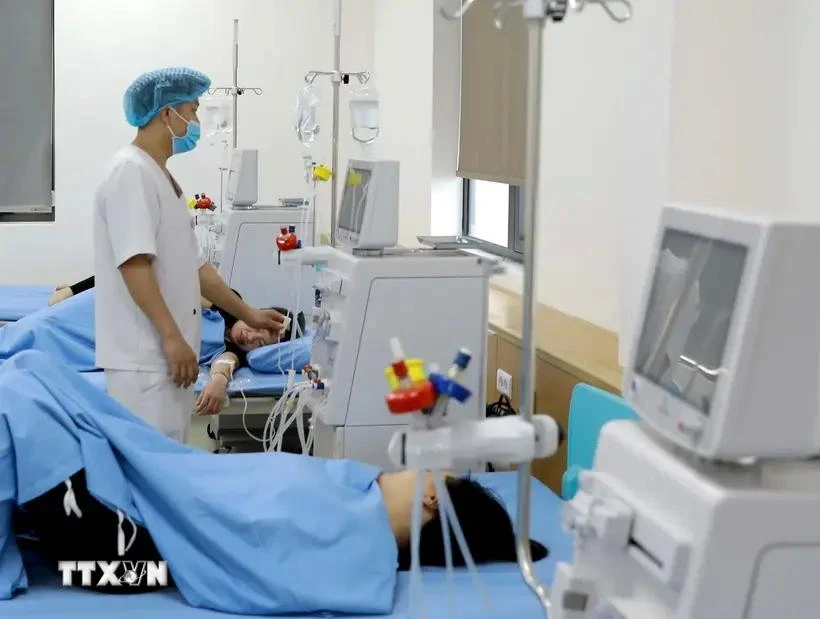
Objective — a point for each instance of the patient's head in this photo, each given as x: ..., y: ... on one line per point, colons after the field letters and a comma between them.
x: 247, y: 338
x: 484, y: 520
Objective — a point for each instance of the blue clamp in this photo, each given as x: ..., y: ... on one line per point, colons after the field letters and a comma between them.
x: 450, y: 388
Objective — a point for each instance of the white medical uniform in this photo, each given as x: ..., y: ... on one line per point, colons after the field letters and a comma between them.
x: 137, y: 211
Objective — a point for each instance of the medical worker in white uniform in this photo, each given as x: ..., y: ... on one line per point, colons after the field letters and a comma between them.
x: 150, y: 274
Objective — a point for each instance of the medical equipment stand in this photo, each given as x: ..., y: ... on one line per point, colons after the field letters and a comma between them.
x: 336, y: 77
x: 537, y: 13
x: 236, y: 89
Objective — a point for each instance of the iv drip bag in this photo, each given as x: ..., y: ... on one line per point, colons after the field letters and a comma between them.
x: 307, y: 120
x: 364, y: 114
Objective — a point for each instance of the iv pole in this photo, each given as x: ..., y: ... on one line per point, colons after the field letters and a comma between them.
x: 236, y: 90
x: 337, y: 78
x: 537, y: 13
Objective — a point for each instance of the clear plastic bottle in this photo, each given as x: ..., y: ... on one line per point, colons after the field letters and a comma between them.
x: 365, y: 116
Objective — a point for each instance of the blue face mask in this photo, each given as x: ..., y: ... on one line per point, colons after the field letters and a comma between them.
x: 188, y: 141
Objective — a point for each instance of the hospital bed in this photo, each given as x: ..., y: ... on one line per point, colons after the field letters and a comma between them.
x: 19, y: 301
x: 251, y: 394
x: 508, y: 595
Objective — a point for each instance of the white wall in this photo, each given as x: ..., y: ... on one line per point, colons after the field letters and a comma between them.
x: 604, y: 141
x: 101, y: 46
x: 743, y: 127
x: 403, y: 74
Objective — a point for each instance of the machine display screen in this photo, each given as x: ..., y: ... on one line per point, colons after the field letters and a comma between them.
x: 691, y: 306
x: 354, y: 199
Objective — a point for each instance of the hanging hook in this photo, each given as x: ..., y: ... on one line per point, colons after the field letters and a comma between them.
x: 618, y: 16
x: 465, y: 6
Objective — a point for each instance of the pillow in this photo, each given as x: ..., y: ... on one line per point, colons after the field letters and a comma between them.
x: 281, y: 357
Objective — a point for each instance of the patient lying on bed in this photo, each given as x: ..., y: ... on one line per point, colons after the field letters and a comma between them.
x: 240, y: 339
x: 93, y: 536
x: 66, y: 331
x: 264, y: 534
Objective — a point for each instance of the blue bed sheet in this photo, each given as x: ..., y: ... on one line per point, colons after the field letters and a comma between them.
x: 66, y: 332
x: 19, y: 301
x: 245, y: 381
x: 508, y: 594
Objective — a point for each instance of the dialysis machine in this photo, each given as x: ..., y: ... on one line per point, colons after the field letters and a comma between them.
x: 248, y: 261
x: 709, y: 506
x: 371, y: 292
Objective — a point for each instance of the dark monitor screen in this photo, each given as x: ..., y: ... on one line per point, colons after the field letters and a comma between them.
x: 354, y: 200
x: 690, y: 311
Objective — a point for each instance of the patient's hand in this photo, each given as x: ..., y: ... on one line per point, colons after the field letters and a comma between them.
x: 61, y: 294
x: 212, y: 398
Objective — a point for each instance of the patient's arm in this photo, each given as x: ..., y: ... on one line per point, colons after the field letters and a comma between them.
x: 212, y: 398
x: 64, y: 292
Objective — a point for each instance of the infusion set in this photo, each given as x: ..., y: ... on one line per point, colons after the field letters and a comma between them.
x: 707, y: 506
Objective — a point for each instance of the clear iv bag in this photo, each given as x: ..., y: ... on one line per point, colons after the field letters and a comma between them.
x: 216, y: 118
x: 364, y: 114
x: 307, y: 118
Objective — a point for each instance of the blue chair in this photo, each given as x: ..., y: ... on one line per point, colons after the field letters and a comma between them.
x: 589, y: 410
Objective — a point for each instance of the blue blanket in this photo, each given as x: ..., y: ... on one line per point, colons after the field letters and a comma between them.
x: 252, y: 533
x: 66, y: 332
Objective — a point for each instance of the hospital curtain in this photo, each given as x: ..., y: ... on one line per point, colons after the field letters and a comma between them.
x: 493, y: 96
x: 26, y: 104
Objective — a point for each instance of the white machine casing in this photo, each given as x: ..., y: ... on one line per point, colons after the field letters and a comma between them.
x: 249, y: 262
x: 243, y: 178
x: 771, y: 349
x: 663, y: 535
x: 379, y: 227
x: 435, y: 301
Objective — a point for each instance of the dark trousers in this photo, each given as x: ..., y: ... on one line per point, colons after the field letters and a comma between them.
x: 91, y: 537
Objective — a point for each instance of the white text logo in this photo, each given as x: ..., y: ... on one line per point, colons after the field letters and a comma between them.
x: 115, y: 573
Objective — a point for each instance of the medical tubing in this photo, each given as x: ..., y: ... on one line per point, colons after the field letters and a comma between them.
x: 279, y: 406
x: 300, y: 429
x: 283, y: 427
x: 334, y: 164
x: 244, y: 416
x: 535, y: 28
x: 448, y: 546
x: 279, y: 409
x: 446, y: 504
x: 286, y: 420
x: 417, y: 606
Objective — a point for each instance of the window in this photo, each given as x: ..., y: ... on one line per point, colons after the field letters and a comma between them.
x: 492, y: 215
x: 27, y: 110
x: 492, y: 128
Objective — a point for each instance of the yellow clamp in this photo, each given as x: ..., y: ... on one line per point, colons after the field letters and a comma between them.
x: 191, y: 203
x: 415, y: 369
x: 321, y: 173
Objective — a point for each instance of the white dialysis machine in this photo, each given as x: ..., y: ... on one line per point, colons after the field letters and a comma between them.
x: 369, y: 294
x: 249, y: 261
x: 709, y: 506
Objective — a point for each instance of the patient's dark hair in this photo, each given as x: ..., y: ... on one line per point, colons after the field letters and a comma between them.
x: 487, y: 529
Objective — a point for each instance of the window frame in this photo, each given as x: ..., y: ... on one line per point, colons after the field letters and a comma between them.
x: 43, y: 216
x: 514, y: 250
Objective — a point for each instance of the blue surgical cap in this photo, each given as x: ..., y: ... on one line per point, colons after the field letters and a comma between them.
x: 152, y: 91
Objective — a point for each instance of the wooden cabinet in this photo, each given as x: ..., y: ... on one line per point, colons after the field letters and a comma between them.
x: 573, y: 352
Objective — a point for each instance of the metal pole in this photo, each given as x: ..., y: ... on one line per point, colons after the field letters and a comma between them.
x: 536, y: 43
x: 334, y: 163
x: 235, y: 81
